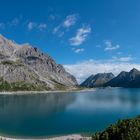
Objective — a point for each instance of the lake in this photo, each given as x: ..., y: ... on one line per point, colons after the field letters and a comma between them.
x: 46, y: 115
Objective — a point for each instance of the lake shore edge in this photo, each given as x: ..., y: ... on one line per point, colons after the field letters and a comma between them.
x: 44, y: 92
x: 65, y: 137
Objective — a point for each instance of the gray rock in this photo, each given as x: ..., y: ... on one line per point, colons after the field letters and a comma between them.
x: 30, y: 65
x: 97, y: 80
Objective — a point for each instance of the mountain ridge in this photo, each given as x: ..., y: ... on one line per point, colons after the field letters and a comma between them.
x: 126, y: 79
x: 129, y: 79
x: 97, y: 80
x: 27, y: 64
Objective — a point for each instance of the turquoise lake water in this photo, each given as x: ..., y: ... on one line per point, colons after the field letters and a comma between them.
x: 66, y: 113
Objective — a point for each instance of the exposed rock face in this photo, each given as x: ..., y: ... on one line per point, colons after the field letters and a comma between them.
x: 23, y: 63
x: 87, y: 82
x: 126, y: 79
x: 97, y: 80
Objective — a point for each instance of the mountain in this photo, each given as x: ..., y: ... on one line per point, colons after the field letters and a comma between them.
x: 24, y: 66
x: 97, y: 80
x: 126, y: 79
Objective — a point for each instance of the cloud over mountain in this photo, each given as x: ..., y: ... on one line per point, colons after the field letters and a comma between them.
x: 84, y: 69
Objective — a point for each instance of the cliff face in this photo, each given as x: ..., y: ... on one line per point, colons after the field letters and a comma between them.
x: 23, y: 63
x: 97, y: 80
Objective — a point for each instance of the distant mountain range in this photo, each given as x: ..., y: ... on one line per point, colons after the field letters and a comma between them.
x: 124, y: 79
x: 23, y: 67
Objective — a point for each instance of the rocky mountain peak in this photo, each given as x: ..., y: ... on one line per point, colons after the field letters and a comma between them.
x: 7, y: 48
x: 126, y: 79
x: 36, y: 63
x: 98, y: 80
x: 122, y: 74
x: 135, y: 71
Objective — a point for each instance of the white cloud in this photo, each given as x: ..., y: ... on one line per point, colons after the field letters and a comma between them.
x: 119, y: 53
x: 84, y: 69
x: 70, y: 20
x: 31, y: 25
x: 110, y: 46
x: 98, y: 46
x: 39, y: 26
x: 66, y: 24
x: 79, y: 50
x: 123, y: 59
x: 57, y: 31
x: 80, y: 37
x: 14, y: 22
x: 42, y: 26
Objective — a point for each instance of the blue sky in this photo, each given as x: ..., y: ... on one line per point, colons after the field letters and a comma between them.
x: 77, y: 32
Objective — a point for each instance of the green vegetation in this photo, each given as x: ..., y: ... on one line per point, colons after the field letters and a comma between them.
x: 128, y: 129
x: 20, y: 86
x: 14, y: 63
